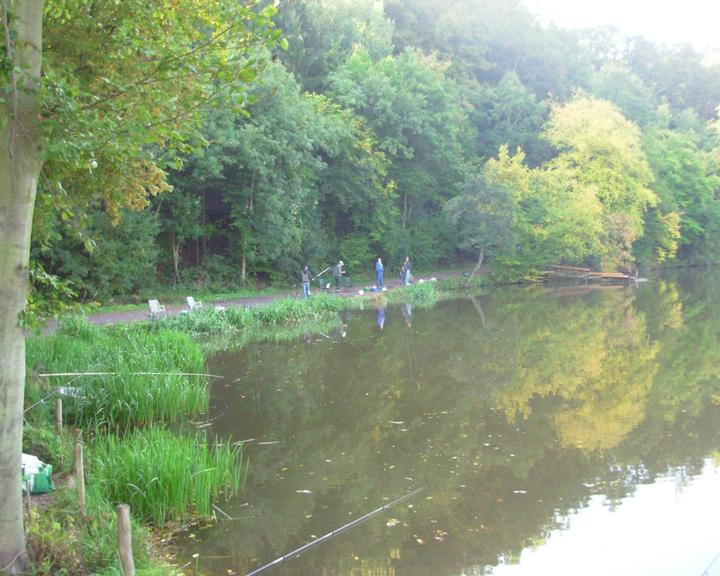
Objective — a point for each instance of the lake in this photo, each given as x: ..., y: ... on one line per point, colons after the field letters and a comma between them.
x: 553, y: 430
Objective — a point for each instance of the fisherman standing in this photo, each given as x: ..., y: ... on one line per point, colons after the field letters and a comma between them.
x: 379, y: 271
x: 337, y: 272
x: 305, y: 280
x: 405, y: 272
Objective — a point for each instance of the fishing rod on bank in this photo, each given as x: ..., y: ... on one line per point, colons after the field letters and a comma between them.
x: 304, y: 548
x: 320, y: 273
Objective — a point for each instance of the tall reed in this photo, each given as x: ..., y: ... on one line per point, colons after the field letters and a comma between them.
x: 124, y: 398
x: 164, y: 477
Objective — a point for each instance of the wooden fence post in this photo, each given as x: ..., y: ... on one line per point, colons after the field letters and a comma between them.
x: 58, y: 415
x: 28, y: 503
x: 125, y: 540
x: 80, y: 475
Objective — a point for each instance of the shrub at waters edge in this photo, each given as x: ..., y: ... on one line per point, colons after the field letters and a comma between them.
x: 162, y: 476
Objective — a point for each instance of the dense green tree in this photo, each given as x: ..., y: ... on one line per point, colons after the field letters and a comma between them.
x: 180, y: 212
x: 321, y: 35
x: 677, y: 74
x: 485, y: 213
x: 616, y: 84
x: 276, y: 171
x: 604, y: 150
x: 121, y: 261
x: 686, y: 182
x: 508, y: 114
x: 415, y: 115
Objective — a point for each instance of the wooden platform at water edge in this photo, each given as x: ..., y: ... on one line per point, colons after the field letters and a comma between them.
x: 576, y: 272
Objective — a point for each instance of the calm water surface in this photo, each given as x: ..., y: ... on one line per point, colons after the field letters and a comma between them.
x: 554, y: 431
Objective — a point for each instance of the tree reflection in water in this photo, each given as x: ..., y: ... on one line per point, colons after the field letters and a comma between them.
x: 512, y: 409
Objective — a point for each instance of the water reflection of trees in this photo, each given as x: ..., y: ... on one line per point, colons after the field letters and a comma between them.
x: 510, y: 419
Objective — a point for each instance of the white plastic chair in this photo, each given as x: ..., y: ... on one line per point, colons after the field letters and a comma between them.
x: 157, y: 310
x: 193, y: 305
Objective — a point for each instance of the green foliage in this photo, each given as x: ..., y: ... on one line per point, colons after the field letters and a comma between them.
x: 122, y: 259
x: 686, y: 181
x: 123, y: 398
x: 508, y: 114
x: 40, y: 440
x: 165, y: 477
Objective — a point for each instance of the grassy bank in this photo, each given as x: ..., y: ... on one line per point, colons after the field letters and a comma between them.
x: 130, y: 455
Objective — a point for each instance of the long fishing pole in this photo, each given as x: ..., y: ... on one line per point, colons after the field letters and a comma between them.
x: 127, y: 374
x: 80, y: 374
x: 321, y: 273
x: 329, y: 535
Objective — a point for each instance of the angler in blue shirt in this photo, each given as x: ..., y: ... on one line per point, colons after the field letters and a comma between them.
x: 379, y: 270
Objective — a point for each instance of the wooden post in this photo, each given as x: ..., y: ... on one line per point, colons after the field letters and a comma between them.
x: 28, y: 502
x: 125, y: 540
x: 58, y: 415
x: 80, y: 476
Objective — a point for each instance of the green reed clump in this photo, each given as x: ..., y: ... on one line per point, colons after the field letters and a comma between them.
x: 123, y: 398
x: 421, y: 295
x: 278, y: 312
x: 162, y: 476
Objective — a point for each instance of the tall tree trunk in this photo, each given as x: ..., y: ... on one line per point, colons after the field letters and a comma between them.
x: 405, y: 210
x: 243, y: 269
x: 204, y: 227
x: 20, y: 163
x: 175, y: 245
x: 479, y: 264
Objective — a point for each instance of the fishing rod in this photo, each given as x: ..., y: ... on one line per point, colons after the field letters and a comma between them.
x: 321, y: 273
x: 304, y: 548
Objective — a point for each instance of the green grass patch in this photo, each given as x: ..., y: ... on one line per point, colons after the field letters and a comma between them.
x: 123, y: 399
x: 421, y: 295
x: 277, y: 313
x: 164, y: 477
